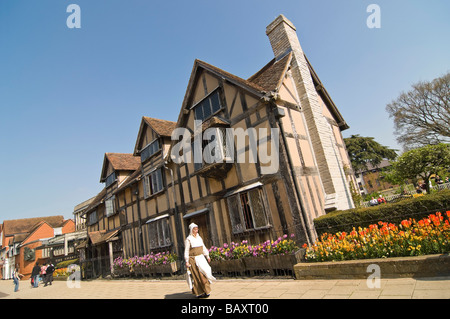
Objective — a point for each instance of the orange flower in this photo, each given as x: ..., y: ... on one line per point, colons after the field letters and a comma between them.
x: 405, y: 223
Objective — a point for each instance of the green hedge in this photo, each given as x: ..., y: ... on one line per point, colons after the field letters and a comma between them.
x: 64, y: 264
x: 416, y: 208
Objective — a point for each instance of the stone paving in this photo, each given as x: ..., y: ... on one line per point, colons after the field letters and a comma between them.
x: 403, y: 288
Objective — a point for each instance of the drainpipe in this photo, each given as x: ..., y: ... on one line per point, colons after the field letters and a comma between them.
x: 141, y: 240
x: 278, y: 115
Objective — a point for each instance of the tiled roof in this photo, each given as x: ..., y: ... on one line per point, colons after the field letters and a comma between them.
x: 124, y: 161
x: 119, y: 162
x: 162, y: 127
x: 271, y: 75
x: 98, y: 237
x: 97, y: 201
x: 20, y: 226
x: 230, y: 76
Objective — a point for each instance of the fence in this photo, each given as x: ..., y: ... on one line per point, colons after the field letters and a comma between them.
x: 408, y: 194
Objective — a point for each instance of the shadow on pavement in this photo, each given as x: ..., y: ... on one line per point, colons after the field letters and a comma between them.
x: 180, y: 295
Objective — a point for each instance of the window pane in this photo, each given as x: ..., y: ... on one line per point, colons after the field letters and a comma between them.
x: 109, y: 205
x: 147, y: 189
x: 199, y: 113
x: 215, y: 102
x: 235, y: 216
x: 166, y: 230
x: 153, y: 235
x: 206, y: 109
x: 149, y: 150
x: 156, y: 181
x: 259, y: 215
x: 110, y: 179
x: 246, y: 211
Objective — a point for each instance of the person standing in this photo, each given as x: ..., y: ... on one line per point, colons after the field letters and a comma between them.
x: 49, y: 275
x: 195, y: 255
x: 43, y: 272
x: 35, y: 274
x: 16, y: 278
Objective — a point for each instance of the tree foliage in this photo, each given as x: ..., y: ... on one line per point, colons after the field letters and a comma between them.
x: 419, y: 163
x: 422, y: 115
x: 365, y: 150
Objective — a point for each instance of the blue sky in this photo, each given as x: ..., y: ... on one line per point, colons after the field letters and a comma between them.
x: 67, y: 96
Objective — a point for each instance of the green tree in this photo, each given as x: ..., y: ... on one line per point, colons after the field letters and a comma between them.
x: 365, y: 150
x: 419, y: 163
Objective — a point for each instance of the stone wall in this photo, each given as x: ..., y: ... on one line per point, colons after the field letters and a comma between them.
x: 396, y: 267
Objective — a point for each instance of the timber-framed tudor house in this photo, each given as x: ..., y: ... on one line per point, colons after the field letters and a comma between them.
x: 149, y: 200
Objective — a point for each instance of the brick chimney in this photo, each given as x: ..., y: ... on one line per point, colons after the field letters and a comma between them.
x: 283, y: 39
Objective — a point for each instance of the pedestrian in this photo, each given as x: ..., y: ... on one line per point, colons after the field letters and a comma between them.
x: 43, y: 272
x: 35, y: 275
x: 373, y: 202
x: 49, y: 276
x: 381, y: 199
x: 195, y: 254
x: 16, y: 278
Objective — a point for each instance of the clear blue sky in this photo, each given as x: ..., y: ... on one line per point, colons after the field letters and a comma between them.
x: 67, y: 96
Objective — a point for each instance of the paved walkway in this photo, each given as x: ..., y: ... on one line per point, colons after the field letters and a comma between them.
x: 405, y: 288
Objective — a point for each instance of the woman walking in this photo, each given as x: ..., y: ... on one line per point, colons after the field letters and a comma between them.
x: 194, y: 254
x: 16, y: 278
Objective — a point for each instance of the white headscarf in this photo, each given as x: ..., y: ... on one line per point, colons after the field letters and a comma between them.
x: 191, y: 226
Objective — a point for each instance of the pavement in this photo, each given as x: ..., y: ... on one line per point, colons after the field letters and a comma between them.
x: 398, y: 288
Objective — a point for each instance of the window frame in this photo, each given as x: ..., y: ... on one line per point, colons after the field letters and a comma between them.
x: 246, y: 221
x: 159, y: 229
x: 150, y: 183
x: 208, y: 99
x: 93, y: 220
x: 151, y: 153
x: 221, y: 146
x: 109, y: 181
x: 112, y: 208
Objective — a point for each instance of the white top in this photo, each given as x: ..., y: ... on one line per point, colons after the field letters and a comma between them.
x: 194, y: 242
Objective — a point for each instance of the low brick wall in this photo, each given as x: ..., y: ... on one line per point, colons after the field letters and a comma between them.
x: 396, y: 267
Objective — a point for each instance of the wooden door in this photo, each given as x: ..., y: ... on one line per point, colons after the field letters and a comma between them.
x: 203, y: 229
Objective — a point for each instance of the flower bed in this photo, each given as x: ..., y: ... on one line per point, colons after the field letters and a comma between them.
x: 281, y: 246
x: 267, y: 256
x: 150, y: 264
x: 429, y: 235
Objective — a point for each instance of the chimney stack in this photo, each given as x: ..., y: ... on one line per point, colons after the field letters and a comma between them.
x: 283, y: 39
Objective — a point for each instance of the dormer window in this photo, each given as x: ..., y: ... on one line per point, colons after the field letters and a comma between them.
x: 150, y: 150
x: 110, y: 179
x: 207, y: 107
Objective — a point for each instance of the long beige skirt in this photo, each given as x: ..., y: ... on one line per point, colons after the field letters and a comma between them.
x: 200, y: 283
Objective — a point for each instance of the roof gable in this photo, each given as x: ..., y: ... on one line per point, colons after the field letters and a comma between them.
x: 161, y: 128
x: 270, y: 77
x: 251, y: 87
x: 119, y: 162
x: 21, y: 226
x: 43, y: 228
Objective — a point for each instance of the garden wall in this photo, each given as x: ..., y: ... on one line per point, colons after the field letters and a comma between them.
x: 395, y: 267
